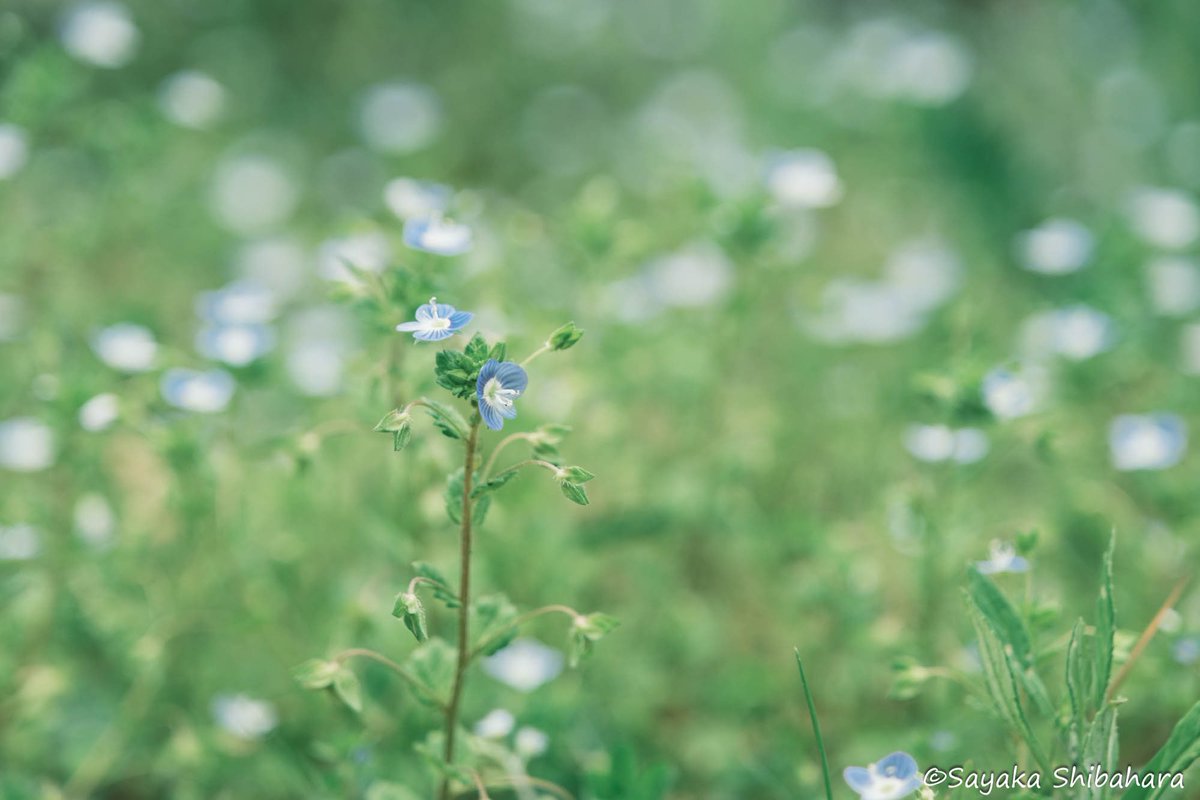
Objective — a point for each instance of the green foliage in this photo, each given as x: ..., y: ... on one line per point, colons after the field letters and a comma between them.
x: 585, y: 632
x: 565, y: 337
x: 316, y: 674
x: 492, y: 622
x: 408, y: 607
x: 432, y: 666
x: 1179, y: 752
x: 348, y: 689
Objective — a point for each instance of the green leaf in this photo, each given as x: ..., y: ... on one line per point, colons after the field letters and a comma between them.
x: 456, y: 372
x: 1181, y: 749
x: 577, y: 474
x: 494, y: 484
x: 477, y: 349
x: 348, y: 689
x: 441, y: 587
x: 493, y: 617
x: 1100, y: 748
x: 1105, y: 626
x: 447, y: 419
x: 574, y: 492
x: 1000, y: 615
x: 433, y: 665
x: 1081, y: 676
x: 565, y: 337
x: 499, y: 351
x: 393, y: 421
x: 316, y: 673
x: 401, y: 438
x: 409, y: 608
x: 454, y: 495
x: 480, y: 509
x: 586, y: 631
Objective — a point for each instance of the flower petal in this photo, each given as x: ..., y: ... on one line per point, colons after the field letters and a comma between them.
x: 459, y: 319
x: 486, y: 373
x: 512, y: 376
x: 897, y: 765
x: 444, y: 311
x: 408, y: 327
x: 490, y: 417
x: 425, y: 313
x: 434, y: 335
x: 859, y: 778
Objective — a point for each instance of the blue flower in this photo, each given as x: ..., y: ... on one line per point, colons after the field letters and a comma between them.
x: 1002, y: 558
x: 1150, y: 441
x: 436, y: 321
x: 892, y: 777
x: 500, y: 384
x: 434, y: 234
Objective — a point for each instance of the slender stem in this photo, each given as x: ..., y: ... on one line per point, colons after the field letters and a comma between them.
x: 545, y: 348
x: 521, y: 620
x: 412, y: 585
x: 816, y: 726
x: 1146, y: 636
x: 529, y: 462
x: 505, y: 442
x: 464, y: 599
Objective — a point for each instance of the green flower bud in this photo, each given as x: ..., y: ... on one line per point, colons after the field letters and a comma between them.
x: 565, y: 337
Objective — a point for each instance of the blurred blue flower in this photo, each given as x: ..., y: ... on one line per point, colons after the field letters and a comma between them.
x: 1186, y: 650
x: 236, y: 345
x: 1002, y: 557
x: 436, y: 321
x: 1009, y: 395
x: 435, y: 234
x: 525, y: 665
x: 202, y: 392
x: 1150, y: 441
x: 499, y: 385
x: 892, y: 777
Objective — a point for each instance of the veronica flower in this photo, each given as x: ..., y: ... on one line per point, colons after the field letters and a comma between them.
x: 1002, y: 558
x: 499, y: 385
x: 1151, y: 441
x: 892, y: 777
x: 436, y: 321
x: 202, y: 392
x: 433, y: 234
x: 525, y: 665
x: 244, y: 717
x: 126, y: 347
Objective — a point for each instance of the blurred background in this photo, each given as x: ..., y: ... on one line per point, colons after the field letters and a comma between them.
x: 868, y: 288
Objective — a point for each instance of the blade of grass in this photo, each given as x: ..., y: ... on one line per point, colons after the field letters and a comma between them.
x: 816, y: 726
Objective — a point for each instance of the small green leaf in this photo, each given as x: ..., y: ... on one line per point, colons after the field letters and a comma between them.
x: 1181, y: 749
x: 494, y: 484
x: 401, y: 438
x: 1105, y: 626
x: 574, y: 492
x: 438, y: 583
x: 409, y: 608
x: 394, y: 420
x: 433, y: 665
x: 348, y: 689
x: 454, y: 496
x: 499, y: 351
x: 316, y: 673
x: 577, y: 474
x: 447, y: 419
x: 565, y: 337
x: 477, y: 349
x: 493, y: 617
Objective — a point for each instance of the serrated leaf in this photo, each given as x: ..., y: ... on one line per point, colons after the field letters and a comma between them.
x: 494, y: 483
x: 493, y: 617
x: 1101, y: 749
x: 1081, y: 677
x: 574, y: 492
x: 316, y: 673
x: 1000, y: 615
x: 1181, y: 749
x: 1105, y: 627
x: 433, y: 665
x: 477, y: 349
x: 438, y: 584
x: 348, y: 689
x: 499, y: 351
x: 447, y: 419
x: 453, y: 496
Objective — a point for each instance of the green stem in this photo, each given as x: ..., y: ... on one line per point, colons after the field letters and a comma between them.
x: 464, y: 598
x: 545, y: 348
x: 379, y: 658
x: 505, y: 442
x: 521, y: 620
x: 816, y: 726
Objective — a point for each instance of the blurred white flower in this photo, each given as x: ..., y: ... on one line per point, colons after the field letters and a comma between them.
x: 531, y: 742
x: 368, y: 251
x: 400, y: 117
x: 1186, y: 650
x: 12, y: 317
x: 525, y: 665
x: 1002, y: 557
x: 928, y: 68
x: 1166, y: 218
x: 100, y: 33
x: 1173, y: 283
x: 244, y: 717
x: 14, y: 149
x: 1077, y: 333
x: 126, y: 347
x: 236, y: 345
x: 408, y: 198
x: 864, y: 311
x: 95, y: 521
x: 19, y: 542
x: 252, y: 194
x: 924, y: 273
x: 1009, y: 395
x: 496, y: 724
x: 318, y: 340
x: 1147, y: 442
x: 192, y: 99
x: 437, y: 235
x: 26, y: 445
x: 202, y: 392
x: 240, y: 303
x: 1056, y: 247
x: 804, y: 178
x: 696, y: 275
x: 99, y: 412
x: 937, y: 443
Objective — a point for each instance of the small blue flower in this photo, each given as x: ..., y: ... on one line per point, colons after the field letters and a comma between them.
x: 1150, y: 441
x: 1002, y: 558
x: 434, y: 234
x: 436, y: 321
x: 892, y: 777
x: 500, y: 384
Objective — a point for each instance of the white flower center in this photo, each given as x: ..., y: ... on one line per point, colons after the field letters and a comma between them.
x: 439, y: 323
x: 497, y: 396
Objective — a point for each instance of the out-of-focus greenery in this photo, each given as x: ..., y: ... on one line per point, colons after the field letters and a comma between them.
x: 746, y: 390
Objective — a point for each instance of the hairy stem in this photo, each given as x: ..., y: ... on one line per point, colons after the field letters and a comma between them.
x: 521, y: 620
x: 464, y: 598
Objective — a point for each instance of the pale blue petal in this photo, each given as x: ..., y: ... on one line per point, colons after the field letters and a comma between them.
x: 490, y: 417
x: 407, y: 327
x: 459, y: 319
x: 425, y: 312
x: 508, y: 412
x: 486, y: 373
x: 859, y: 778
x: 1018, y: 564
x: 512, y: 376
x: 434, y: 336
x: 444, y: 311
x: 897, y: 765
